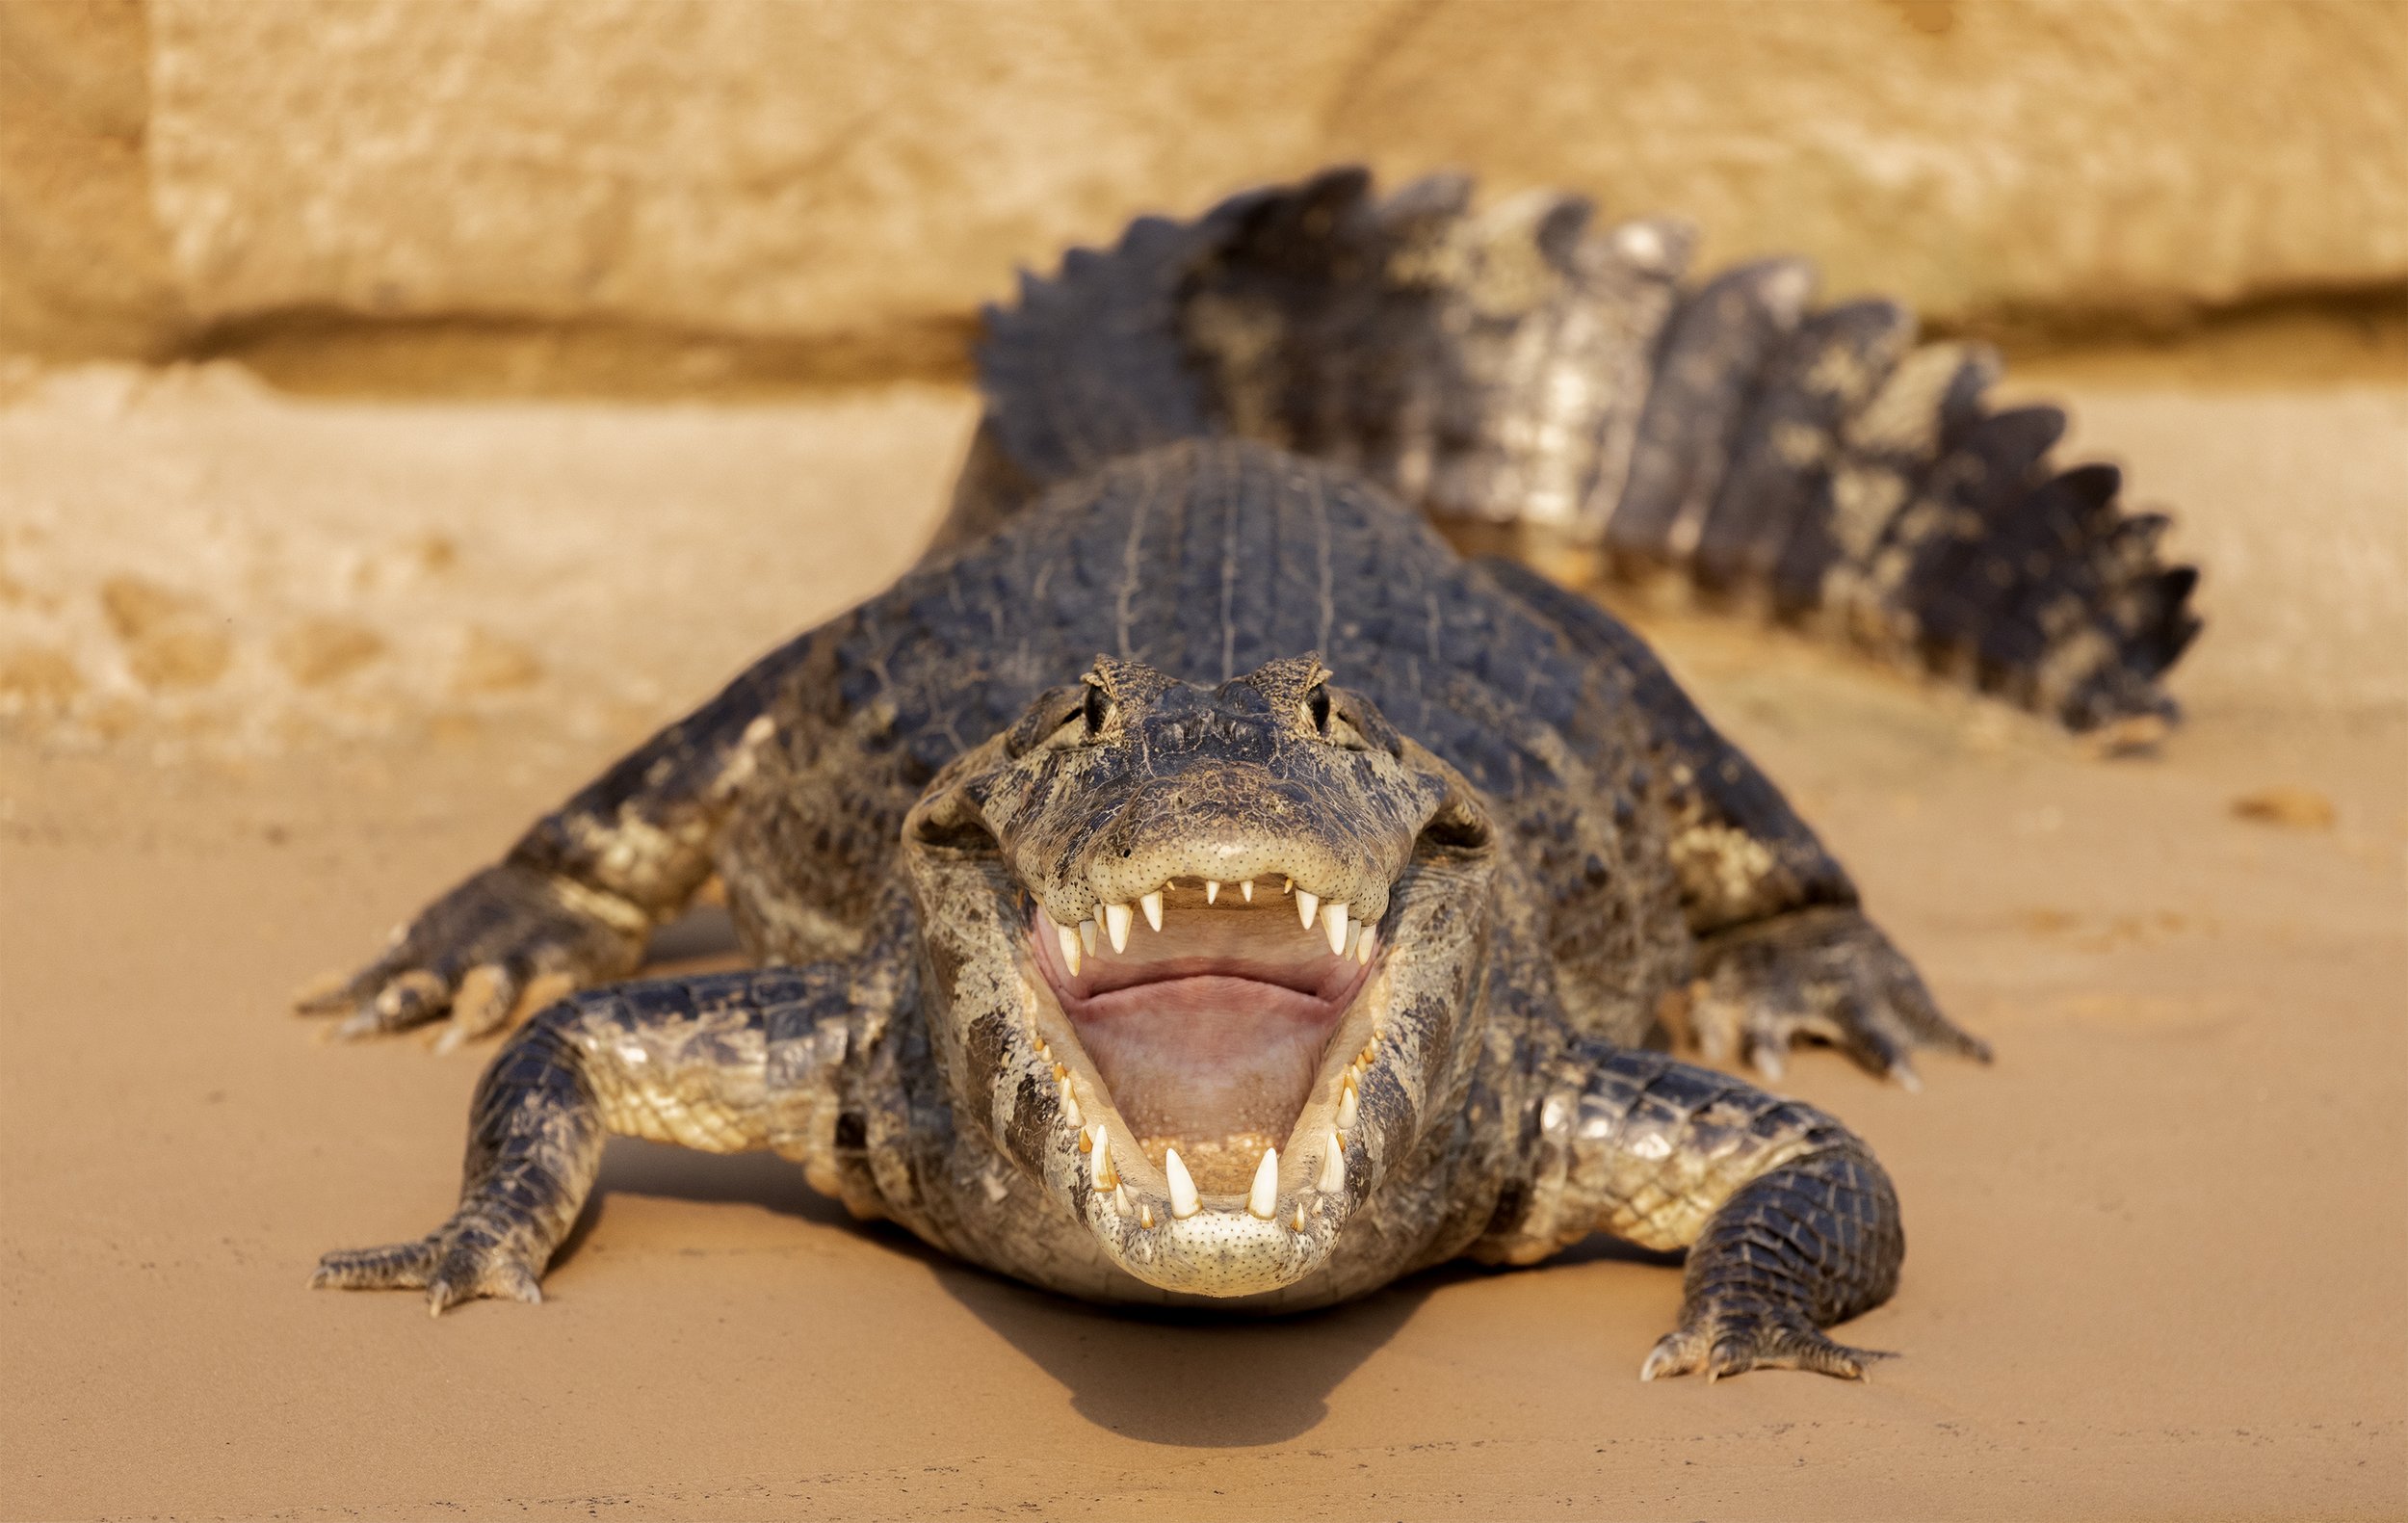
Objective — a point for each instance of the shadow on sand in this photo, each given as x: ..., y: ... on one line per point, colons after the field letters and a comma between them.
x: 1195, y: 1379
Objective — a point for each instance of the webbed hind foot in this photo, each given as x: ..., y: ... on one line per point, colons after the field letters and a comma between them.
x: 1827, y: 975
x: 1736, y: 1340
x: 461, y: 1260
x: 505, y: 941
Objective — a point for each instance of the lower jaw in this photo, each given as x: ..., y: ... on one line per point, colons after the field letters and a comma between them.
x: 1220, y: 1073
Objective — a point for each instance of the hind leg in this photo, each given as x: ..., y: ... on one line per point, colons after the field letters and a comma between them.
x: 1828, y: 975
x: 570, y: 905
x: 1785, y: 952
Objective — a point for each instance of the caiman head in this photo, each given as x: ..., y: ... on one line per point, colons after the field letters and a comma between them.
x: 1204, y: 960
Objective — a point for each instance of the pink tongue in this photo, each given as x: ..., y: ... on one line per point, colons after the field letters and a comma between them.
x: 1205, y: 1058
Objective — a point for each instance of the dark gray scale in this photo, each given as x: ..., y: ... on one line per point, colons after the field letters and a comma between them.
x: 1981, y: 481
x: 2151, y: 609
x: 2043, y: 558
x: 1780, y: 475
x: 1513, y: 365
x: 1447, y: 652
x: 1291, y: 340
x: 1735, y: 791
x: 1827, y: 540
x: 1714, y: 347
x: 1090, y: 356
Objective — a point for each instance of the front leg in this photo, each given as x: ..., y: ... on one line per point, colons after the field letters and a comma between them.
x: 676, y: 1060
x: 1790, y: 1223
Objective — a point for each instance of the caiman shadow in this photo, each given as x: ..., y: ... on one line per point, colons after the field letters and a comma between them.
x: 1194, y: 1380
x: 1197, y: 1379
x: 1202, y: 1379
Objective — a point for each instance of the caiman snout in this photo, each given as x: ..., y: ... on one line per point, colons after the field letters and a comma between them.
x: 1219, y: 992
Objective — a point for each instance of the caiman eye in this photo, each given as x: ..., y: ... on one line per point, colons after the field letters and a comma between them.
x: 1329, y: 721
x: 1082, y: 717
x: 1057, y: 718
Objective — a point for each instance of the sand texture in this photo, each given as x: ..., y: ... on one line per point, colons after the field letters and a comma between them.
x: 2158, y: 1251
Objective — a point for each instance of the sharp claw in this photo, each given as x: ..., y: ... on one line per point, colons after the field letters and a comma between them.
x: 359, y: 1023
x: 324, y: 995
x: 1767, y: 1059
x: 1902, y: 1074
x: 1664, y: 1358
x: 485, y: 996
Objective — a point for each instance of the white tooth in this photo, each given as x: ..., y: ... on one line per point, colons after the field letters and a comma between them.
x: 1211, y: 890
x: 1183, y: 1201
x: 1145, y: 1217
x: 1099, y: 1163
x: 1152, y: 904
x: 1070, y: 1106
x: 1355, y: 938
x: 1363, y: 951
x: 1087, y: 937
x: 1069, y: 948
x: 1298, y: 1224
x: 1117, y: 925
x: 1348, y: 1108
x: 1245, y: 890
x: 1287, y: 885
x: 1120, y: 1199
x: 1307, y: 905
x: 1333, y: 1166
x: 1334, y: 925
x: 1263, y: 1198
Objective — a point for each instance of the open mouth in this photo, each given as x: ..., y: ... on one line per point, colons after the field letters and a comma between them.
x: 1218, y: 1024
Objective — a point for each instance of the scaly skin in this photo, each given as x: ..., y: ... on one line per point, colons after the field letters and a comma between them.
x: 1544, y: 840
x: 1184, y: 626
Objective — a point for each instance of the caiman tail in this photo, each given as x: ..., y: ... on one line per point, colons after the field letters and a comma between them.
x: 1516, y: 366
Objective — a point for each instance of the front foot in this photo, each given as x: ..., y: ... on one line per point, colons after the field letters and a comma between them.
x: 1733, y: 1337
x: 1826, y: 974
x: 461, y: 1260
x: 507, y: 940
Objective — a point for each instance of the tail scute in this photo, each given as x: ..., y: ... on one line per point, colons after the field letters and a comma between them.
x: 1517, y: 364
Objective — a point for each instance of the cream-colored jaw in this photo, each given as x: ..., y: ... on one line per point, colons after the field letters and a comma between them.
x: 1270, y: 1207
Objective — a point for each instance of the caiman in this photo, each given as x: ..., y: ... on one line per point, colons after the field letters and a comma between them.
x: 1197, y: 882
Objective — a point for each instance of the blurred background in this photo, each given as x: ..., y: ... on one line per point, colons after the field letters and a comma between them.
x: 407, y: 404
x: 365, y: 364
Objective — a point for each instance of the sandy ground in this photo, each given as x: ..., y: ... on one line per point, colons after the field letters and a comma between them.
x: 2159, y: 1250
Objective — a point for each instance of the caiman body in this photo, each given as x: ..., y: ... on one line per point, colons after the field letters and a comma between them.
x: 1196, y: 883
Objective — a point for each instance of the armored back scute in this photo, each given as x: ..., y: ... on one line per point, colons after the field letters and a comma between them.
x: 1514, y: 366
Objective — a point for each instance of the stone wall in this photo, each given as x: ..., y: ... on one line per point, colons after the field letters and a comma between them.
x: 842, y: 171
